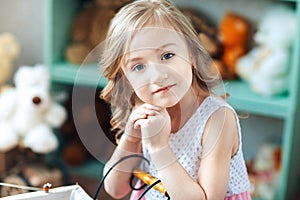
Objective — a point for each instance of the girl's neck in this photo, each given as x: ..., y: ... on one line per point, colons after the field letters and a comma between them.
x: 184, y: 109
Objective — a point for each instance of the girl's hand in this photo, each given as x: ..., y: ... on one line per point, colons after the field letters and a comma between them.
x: 132, y: 129
x: 155, y: 129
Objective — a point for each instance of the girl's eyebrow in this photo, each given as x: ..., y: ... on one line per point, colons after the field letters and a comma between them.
x: 165, y: 45
x: 135, y: 59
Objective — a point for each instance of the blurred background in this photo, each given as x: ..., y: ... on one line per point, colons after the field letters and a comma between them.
x: 58, y: 35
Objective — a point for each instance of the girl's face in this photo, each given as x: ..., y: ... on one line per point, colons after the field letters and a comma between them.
x: 158, y: 66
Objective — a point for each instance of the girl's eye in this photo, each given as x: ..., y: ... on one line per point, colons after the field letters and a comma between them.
x: 138, y: 67
x: 167, y: 56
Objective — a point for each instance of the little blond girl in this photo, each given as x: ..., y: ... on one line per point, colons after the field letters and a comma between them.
x: 160, y: 89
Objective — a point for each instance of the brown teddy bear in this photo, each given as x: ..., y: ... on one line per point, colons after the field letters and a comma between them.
x: 207, y: 33
x: 89, y: 28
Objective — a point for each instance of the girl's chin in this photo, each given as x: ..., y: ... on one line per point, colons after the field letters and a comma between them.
x: 165, y: 104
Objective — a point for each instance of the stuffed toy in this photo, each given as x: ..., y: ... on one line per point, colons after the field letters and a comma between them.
x: 264, y: 170
x: 28, y: 114
x: 207, y: 33
x: 265, y: 67
x: 235, y: 34
x: 9, y: 50
x: 89, y: 28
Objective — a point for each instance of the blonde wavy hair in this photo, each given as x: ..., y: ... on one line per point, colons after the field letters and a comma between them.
x: 127, y: 21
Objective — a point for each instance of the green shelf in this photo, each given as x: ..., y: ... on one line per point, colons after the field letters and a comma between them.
x: 91, y: 168
x: 87, y: 75
x: 242, y: 98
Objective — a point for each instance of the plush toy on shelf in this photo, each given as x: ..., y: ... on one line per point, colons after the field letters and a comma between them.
x: 89, y: 28
x: 28, y: 114
x: 266, y: 66
x: 9, y: 50
x: 264, y: 170
x: 235, y: 35
x: 207, y: 32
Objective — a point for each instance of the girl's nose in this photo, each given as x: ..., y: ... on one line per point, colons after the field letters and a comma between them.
x: 158, y: 73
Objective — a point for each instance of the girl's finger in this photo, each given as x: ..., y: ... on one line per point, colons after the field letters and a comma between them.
x: 151, y: 107
x: 141, y: 123
x: 138, y: 116
x: 144, y: 111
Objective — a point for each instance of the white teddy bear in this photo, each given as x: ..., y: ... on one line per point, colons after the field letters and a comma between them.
x: 28, y: 114
x: 266, y: 66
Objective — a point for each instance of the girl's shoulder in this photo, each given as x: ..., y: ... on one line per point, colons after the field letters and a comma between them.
x: 212, y: 103
x: 216, y: 106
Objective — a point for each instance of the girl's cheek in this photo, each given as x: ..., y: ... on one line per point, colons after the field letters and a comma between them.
x: 140, y: 83
x: 142, y: 94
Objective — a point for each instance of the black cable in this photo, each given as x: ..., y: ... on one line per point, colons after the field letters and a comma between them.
x: 131, y: 184
x: 122, y: 159
x: 150, y: 187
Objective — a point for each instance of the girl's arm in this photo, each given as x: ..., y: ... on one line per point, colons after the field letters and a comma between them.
x: 219, y: 144
x: 116, y: 183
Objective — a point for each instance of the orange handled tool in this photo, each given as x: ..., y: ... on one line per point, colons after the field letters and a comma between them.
x: 148, y: 179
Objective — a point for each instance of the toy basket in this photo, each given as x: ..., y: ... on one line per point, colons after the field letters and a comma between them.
x: 72, y: 192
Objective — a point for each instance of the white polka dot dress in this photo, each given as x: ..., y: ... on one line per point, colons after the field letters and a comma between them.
x: 186, y: 145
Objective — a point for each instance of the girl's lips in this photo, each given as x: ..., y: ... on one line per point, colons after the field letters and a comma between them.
x: 163, y: 89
